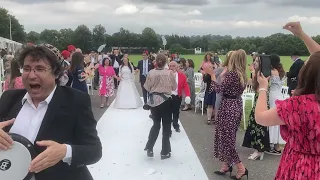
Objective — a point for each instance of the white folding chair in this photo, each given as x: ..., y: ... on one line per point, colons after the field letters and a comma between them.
x: 202, y: 106
x: 90, y: 85
x: 285, y: 91
x: 248, y: 95
x: 197, y: 80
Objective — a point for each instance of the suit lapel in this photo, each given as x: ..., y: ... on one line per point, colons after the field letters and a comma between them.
x: 52, y: 111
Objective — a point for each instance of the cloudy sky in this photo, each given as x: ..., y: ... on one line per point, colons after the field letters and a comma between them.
x: 183, y: 17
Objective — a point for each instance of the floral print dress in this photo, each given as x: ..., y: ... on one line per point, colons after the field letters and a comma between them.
x: 228, y: 118
x: 301, y: 156
x: 106, y: 82
x: 256, y: 136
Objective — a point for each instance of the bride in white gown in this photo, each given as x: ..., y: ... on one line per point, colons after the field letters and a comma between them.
x: 127, y: 96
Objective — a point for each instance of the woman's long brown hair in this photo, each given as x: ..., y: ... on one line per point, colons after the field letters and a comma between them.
x: 255, y: 83
x: 77, y: 60
x: 309, y: 77
x: 276, y: 64
x: 14, y: 72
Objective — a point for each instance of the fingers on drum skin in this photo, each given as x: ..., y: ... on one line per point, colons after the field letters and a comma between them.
x: 2, y: 147
x: 5, y: 140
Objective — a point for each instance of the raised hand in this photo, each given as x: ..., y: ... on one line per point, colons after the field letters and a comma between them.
x: 294, y: 27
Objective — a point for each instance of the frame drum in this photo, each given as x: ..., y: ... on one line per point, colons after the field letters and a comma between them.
x: 15, y: 162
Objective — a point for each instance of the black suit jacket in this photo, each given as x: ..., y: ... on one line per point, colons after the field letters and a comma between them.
x: 68, y: 120
x: 116, y: 58
x: 292, y: 75
x: 140, y: 67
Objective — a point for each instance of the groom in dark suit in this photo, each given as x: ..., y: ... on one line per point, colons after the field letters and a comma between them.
x: 292, y: 75
x: 144, y: 66
x: 58, y: 120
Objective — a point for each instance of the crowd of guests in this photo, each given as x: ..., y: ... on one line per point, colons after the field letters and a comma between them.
x: 224, y: 84
x: 169, y: 85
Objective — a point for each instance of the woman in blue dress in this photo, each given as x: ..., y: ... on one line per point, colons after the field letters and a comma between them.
x: 78, y: 73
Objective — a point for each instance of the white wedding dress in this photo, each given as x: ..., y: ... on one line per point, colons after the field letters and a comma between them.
x: 127, y: 96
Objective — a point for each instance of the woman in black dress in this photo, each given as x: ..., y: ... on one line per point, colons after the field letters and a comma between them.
x: 257, y: 136
x: 209, y: 97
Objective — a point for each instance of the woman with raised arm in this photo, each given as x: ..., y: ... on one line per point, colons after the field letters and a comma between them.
x: 298, y: 116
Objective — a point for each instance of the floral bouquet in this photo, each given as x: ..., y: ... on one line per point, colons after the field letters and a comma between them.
x: 90, y: 71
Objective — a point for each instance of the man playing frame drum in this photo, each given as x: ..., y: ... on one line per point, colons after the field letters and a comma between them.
x: 57, y: 120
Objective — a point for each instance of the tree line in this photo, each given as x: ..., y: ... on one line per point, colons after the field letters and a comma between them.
x: 88, y: 40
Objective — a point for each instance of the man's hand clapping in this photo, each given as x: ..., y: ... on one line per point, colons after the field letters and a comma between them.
x: 5, y: 140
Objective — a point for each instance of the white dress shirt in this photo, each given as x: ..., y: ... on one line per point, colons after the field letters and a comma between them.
x: 30, y: 118
x: 116, y: 64
x: 175, y: 92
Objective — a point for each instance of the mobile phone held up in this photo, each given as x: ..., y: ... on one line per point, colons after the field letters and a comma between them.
x: 265, y: 65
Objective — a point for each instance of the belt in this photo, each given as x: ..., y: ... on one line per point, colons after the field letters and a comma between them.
x: 230, y: 97
x: 159, y: 94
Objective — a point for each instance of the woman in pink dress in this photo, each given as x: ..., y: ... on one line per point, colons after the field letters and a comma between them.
x: 107, y: 74
x: 298, y: 116
x: 14, y: 80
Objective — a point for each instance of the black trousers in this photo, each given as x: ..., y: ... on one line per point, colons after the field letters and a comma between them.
x: 160, y: 114
x: 175, y: 110
x: 144, y: 91
x: 116, y: 83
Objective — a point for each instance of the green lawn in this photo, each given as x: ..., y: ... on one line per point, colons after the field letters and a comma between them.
x: 197, y: 59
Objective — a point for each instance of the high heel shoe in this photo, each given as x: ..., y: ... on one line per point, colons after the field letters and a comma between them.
x: 220, y: 173
x: 246, y: 173
x: 256, y: 156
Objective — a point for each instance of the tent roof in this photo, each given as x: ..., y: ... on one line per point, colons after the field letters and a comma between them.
x: 5, y: 40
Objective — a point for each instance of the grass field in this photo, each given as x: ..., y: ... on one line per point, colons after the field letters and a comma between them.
x: 197, y: 59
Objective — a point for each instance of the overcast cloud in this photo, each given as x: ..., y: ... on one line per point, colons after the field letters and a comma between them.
x: 183, y: 17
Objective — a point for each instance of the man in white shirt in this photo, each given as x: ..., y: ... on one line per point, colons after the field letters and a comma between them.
x: 58, y: 120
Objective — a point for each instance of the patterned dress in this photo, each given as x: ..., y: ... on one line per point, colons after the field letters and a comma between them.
x: 229, y: 118
x: 190, y: 77
x: 275, y: 94
x: 301, y: 156
x: 257, y: 136
x: 106, y: 81
x: 16, y: 85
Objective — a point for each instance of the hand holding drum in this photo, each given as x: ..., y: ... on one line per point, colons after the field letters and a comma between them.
x: 5, y: 140
x: 16, y: 155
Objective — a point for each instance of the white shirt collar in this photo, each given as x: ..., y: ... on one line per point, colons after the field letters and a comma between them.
x: 27, y: 97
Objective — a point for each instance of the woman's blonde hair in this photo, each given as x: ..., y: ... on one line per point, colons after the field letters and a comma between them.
x: 237, y: 63
x: 228, y: 56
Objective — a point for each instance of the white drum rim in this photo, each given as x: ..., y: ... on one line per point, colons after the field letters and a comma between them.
x: 20, y: 161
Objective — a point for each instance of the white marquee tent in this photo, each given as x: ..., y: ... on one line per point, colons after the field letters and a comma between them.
x: 11, y: 46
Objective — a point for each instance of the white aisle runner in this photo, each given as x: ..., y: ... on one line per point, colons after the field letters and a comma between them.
x: 124, y: 133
